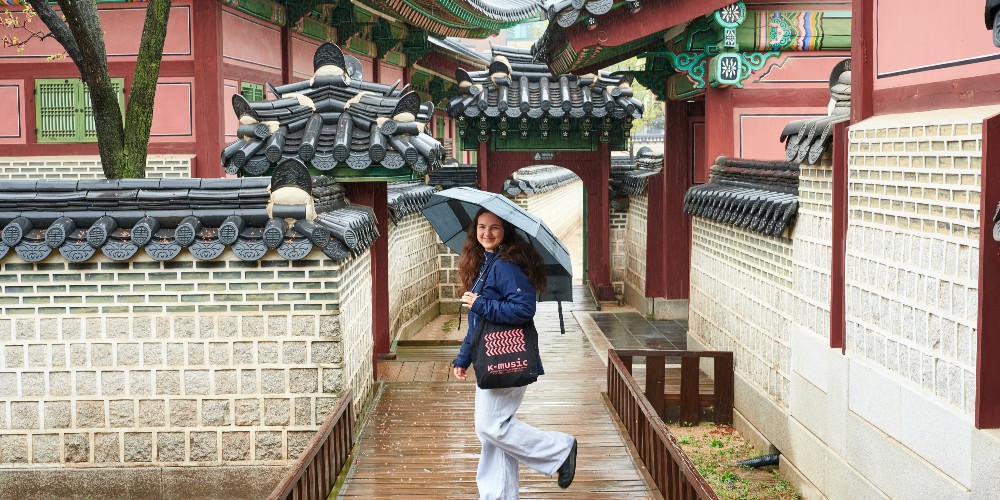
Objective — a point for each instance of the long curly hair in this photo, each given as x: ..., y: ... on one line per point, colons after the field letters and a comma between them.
x: 513, y: 248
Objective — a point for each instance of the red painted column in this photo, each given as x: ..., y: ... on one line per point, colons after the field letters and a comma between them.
x: 719, y: 127
x: 838, y: 240
x: 286, y: 54
x: 599, y: 226
x: 862, y: 59
x: 208, y: 81
x: 988, y: 326
x: 668, y: 231
x: 375, y: 195
x: 482, y: 158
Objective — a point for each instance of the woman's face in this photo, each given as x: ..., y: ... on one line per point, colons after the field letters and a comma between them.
x: 489, y: 231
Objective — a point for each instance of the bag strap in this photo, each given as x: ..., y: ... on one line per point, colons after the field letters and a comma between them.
x: 481, y: 280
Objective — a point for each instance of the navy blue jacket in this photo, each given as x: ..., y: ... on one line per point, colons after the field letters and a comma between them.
x: 505, y: 296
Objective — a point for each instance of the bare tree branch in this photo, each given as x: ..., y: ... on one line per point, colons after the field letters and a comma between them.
x: 59, y: 30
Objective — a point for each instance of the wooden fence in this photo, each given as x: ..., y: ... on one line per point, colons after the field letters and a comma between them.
x: 315, y: 472
x: 642, y: 414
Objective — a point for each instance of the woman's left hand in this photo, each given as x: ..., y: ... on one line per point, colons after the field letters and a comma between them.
x: 468, y: 298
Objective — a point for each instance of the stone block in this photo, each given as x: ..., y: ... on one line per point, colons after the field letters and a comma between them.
x: 293, y: 352
x: 197, y: 382
x: 142, y: 327
x: 140, y: 382
x: 138, y: 446
x: 8, y: 384
x: 297, y: 442
x: 24, y: 415
x: 121, y: 413
x: 183, y: 413
x: 90, y: 414
x: 267, y: 445
x: 25, y: 329
x: 57, y: 414
x: 169, y: 446
x: 223, y: 483
x: 303, y: 411
x: 277, y: 326
x: 304, y: 325
x: 204, y: 446
x: 253, y: 326
x: 303, y: 380
x: 235, y: 446
x: 152, y: 354
x: 113, y: 383
x: 215, y: 412
x: 45, y: 448
x: 107, y: 447
x: 14, y: 356
x: 95, y: 328
x: 86, y: 383
x: 13, y: 449
x: 268, y: 352
x: 225, y: 382
x: 247, y: 412
x: 152, y: 413
x: 117, y: 328
x: 48, y: 328
x: 273, y: 381
x: 32, y: 384
x: 228, y: 326
x: 185, y: 327
x: 38, y: 355
x: 207, y: 327
x: 175, y: 354
x: 276, y: 411
x: 76, y: 448
x: 168, y: 382
x: 243, y: 353
x: 333, y: 380
x: 248, y: 381
x: 874, y: 397
x: 195, y: 354
x: 940, y: 435
x: 218, y: 353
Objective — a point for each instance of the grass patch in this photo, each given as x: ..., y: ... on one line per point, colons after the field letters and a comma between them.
x: 715, y: 449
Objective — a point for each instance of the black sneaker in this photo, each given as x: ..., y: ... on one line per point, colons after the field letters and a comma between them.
x: 568, y: 469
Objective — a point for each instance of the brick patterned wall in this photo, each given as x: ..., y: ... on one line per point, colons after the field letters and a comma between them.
x: 741, y: 293
x: 812, y: 247
x: 148, y: 363
x: 635, y: 250
x: 448, y: 285
x: 912, y: 246
x: 87, y: 167
x: 561, y: 209
x: 618, y: 239
x: 413, y: 273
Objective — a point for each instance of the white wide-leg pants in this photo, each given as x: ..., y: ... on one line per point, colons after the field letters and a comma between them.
x: 507, y: 441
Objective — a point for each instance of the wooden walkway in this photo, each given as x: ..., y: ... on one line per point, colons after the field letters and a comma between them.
x: 419, y: 440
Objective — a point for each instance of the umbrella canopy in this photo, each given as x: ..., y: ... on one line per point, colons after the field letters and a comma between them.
x: 452, y: 211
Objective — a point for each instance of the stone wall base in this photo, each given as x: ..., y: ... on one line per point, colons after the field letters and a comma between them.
x: 141, y: 483
x: 655, y: 307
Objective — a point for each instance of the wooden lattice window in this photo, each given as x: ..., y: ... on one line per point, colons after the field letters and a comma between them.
x: 63, y: 112
x: 252, y: 91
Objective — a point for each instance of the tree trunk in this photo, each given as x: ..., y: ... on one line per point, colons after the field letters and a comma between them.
x: 85, y: 25
x: 139, y: 113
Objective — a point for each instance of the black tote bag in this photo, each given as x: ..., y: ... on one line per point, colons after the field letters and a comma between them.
x: 505, y: 355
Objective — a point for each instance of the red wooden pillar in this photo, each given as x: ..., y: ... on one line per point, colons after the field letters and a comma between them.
x: 482, y: 159
x: 286, y: 55
x: 599, y: 225
x: 988, y: 326
x: 838, y: 240
x: 209, y: 122
x: 719, y: 133
x: 668, y: 232
x: 862, y: 59
x: 375, y: 195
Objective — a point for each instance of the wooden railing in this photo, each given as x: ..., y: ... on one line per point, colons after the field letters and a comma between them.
x: 688, y: 395
x: 315, y: 472
x: 671, y: 470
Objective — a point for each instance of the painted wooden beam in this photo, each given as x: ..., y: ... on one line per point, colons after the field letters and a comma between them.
x: 862, y: 59
x: 209, y: 121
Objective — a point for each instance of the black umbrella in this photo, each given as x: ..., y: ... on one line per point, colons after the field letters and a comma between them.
x: 451, y: 212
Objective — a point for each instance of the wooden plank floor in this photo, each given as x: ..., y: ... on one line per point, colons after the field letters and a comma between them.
x: 419, y: 440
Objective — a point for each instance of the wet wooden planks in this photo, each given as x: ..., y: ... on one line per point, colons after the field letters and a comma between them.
x: 419, y: 439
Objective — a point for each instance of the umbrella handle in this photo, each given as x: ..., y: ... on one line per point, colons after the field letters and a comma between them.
x: 562, y: 326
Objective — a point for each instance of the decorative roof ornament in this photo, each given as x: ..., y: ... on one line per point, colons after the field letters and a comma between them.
x: 808, y: 139
x: 335, y: 123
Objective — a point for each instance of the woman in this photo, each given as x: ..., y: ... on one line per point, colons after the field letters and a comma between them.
x: 500, y: 274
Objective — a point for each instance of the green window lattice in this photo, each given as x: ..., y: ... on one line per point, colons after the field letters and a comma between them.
x: 63, y: 111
